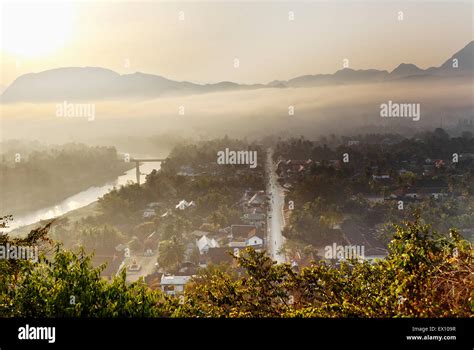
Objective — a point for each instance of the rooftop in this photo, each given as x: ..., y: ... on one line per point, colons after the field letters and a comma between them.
x: 174, y: 280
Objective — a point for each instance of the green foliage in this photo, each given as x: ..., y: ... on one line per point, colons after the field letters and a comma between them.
x: 101, y: 238
x: 425, y: 275
x: 261, y: 292
x: 312, y: 222
x: 170, y: 253
x: 65, y: 284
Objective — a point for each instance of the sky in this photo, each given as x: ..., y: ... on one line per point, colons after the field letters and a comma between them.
x: 202, y: 41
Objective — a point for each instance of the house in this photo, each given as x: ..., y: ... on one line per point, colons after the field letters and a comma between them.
x: 151, y: 242
x: 436, y: 192
x: 155, y: 205
x: 226, y: 231
x: 380, y: 177
x: 149, y: 213
x: 254, y: 241
x: 374, y: 198
x: 238, y: 243
x: 429, y: 170
x: 121, y: 247
x: 242, y: 230
x: 384, y: 180
x: 398, y: 193
x: 258, y: 210
x: 426, y: 192
x: 296, y: 164
x: 204, y: 243
x: 258, y: 199
x: 199, y: 233
x: 254, y: 218
x: 183, y: 204
x: 245, y: 236
x: 466, y: 156
x: 247, y: 195
x: 428, y: 188
x: 172, y: 284
x: 412, y: 193
x: 186, y: 171
x: 219, y: 255
x: 439, y: 163
x: 293, y: 167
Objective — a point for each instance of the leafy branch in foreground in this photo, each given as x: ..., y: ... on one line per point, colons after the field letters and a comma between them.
x: 425, y: 275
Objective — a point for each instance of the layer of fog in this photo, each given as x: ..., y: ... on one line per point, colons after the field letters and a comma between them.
x: 252, y: 114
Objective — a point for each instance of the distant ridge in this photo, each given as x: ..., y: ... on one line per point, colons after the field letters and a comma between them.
x: 95, y: 83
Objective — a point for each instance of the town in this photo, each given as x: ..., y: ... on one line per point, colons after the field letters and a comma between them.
x: 300, y: 199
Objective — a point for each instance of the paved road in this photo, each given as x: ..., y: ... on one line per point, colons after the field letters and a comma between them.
x: 275, y: 220
x: 147, y: 263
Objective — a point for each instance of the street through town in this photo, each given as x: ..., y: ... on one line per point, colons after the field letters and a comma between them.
x: 275, y: 219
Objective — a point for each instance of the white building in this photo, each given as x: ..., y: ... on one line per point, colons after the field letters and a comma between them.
x: 237, y: 244
x: 374, y: 198
x: 172, y: 285
x: 204, y: 243
x: 148, y: 213
x: 183, y: 204
x: 254, y: 241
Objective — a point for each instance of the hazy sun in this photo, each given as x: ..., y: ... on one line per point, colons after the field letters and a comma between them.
x: 35, y: 29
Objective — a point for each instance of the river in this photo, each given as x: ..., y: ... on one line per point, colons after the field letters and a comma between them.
x: 80, y: 199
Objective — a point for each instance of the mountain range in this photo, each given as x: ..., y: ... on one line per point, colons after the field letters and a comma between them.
x: 94, y: 83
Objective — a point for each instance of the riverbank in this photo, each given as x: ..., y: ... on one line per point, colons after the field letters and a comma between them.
x: 72, y: 216
x: 77, y: 206
x: 19, y: 202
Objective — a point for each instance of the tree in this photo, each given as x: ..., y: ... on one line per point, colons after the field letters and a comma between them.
x: 425, y: 275
x: 101, y: 239
x: 144, y: 229
x: 170, y: 254
x: 63, y: 283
